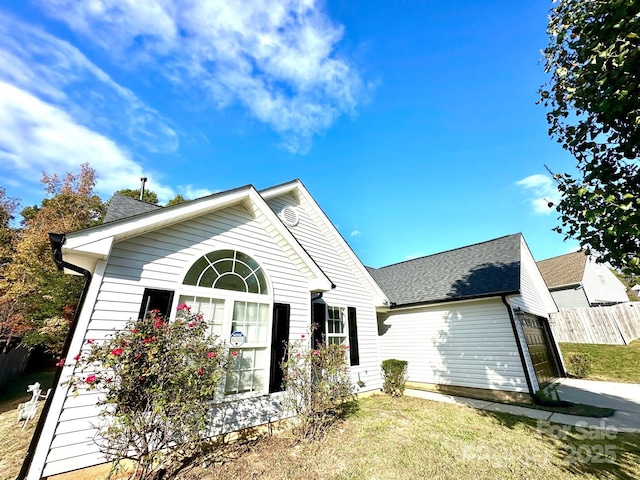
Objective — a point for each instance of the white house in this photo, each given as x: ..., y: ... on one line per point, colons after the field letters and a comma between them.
x: 275, y: 251
x: 473, y: 318
x: 471, y: 321
x: 576, y: 280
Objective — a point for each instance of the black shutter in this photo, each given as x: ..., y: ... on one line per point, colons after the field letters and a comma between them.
x: 319, y: 321
x: 354, y: 353
x: 156, y: 300
x: 279, y: 337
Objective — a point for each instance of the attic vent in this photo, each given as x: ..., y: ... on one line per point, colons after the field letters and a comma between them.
x: 289, y: 216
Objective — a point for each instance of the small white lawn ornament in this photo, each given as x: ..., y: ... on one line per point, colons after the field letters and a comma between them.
x: 27, y: 411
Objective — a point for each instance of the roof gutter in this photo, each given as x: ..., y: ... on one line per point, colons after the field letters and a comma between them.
x: 57, y: 240
x: 396, y: 306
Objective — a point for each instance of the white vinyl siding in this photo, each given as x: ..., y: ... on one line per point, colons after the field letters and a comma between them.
x: 466, y: 344
x: 160, y: 260
x: 319, y: 237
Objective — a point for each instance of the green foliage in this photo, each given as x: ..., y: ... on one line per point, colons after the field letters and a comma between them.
x: 318, y: 386
x: 178, y: 199
x: 158, y: 380
x: 395, y: 376
x: 35, y: 297
x: 579, y: 364
x: 149, y: 196
x: 593, y: 102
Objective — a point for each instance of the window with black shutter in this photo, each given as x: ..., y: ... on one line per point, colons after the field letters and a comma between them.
x: 153, y: 299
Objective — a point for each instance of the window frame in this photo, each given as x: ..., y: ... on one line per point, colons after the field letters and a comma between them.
x: 189, y: 294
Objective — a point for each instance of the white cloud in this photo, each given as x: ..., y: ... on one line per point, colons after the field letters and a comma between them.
x: 413, y: 256
x: 58, y: 73
x: 276, y: 58
x: 355, y: 233
x: 540, y: 190
x: 37, y: 137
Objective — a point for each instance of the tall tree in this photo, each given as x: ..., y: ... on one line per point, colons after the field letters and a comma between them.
x: 148, y: 196
x: 593, y: 103
x: 11, y: 322
x: 45, y: 297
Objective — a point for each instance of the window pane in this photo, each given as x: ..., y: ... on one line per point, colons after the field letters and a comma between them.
x: 194, y: 272
x: 224, y: 266
x: 252, y: 284
x: 208, y: 277
x: 242, y: 269
x: 231, y: 281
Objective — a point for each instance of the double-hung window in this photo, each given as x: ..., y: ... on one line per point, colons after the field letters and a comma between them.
x: 230, y: 289
x: 336, y: 331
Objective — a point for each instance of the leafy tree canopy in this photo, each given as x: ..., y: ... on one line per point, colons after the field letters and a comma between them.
x: 35, y: 298
x: 593, y: 103
x: 149, y: 196
x: 176, y: 200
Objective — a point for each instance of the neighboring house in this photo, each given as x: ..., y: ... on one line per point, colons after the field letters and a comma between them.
x: 274, y: 252
x: 472, y: 321
x: 473, y: 318
x: 576, y: 280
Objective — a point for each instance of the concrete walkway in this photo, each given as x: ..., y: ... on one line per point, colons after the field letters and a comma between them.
x: 623, y: 398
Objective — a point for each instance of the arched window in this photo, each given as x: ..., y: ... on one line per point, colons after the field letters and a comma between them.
x: 228, y: 270
x: 231, y: 290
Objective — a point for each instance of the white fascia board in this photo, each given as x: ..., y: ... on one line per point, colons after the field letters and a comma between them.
x: 320, y: 282
x: 94, y: 240
x: 380, y: 298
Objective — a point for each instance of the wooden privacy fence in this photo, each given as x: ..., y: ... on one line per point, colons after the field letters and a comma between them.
x: 13, y: 362
x: 617, y: 324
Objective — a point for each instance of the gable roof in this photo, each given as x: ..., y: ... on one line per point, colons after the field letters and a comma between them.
x: 122, y: 206
x: 84, y: 248
x: 332, y: 234
x: 563, y: 270
x: 485, y: 269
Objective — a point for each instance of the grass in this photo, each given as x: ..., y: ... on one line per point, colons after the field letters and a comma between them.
x: 411, y: 438
x: 610, y: 363
x: 14, y: 440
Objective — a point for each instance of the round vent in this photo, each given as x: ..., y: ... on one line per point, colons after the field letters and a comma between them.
x: 290, y: 216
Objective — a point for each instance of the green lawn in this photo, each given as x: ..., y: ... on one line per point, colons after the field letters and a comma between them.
x: 411, y: 438
x: 612, y: 363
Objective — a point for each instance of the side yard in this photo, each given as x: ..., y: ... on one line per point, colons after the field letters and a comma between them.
x: 610, y: 363
x: 14, y: 440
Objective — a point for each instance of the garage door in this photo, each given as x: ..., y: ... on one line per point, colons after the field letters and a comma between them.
x: 539, y: 345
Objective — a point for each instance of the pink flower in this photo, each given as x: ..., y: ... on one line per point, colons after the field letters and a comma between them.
x: 212, y: 355
x: 316, y: 352
x: 77, y: 357
x: 234, y: 353
x: 302, y: 336
x: 149, y: 339
x: 184, y: 306
x: 201, y: 371
x: 61, y: 362
x: 134, y: 330
x: 91, y: 379
x: 158, y: 323
x: 191, y: 324
x: 90, y: 341
x: 116, y: 351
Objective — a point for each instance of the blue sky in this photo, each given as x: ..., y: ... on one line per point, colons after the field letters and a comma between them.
x: 414, y: 124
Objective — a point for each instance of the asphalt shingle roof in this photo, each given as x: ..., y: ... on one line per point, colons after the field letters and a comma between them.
x: 121, y: 206
x: 563, y: 270
x: 481, y: 270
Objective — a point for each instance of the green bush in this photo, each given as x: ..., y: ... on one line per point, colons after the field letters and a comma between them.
x: 395, y: 376
x: 579, y: 364
x: 317, y: 385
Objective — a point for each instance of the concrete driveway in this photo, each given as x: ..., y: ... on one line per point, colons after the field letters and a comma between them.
x: 624, y: 398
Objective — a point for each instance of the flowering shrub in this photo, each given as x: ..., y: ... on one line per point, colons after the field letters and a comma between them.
x: 158, y: 380
x: 317, y: 386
